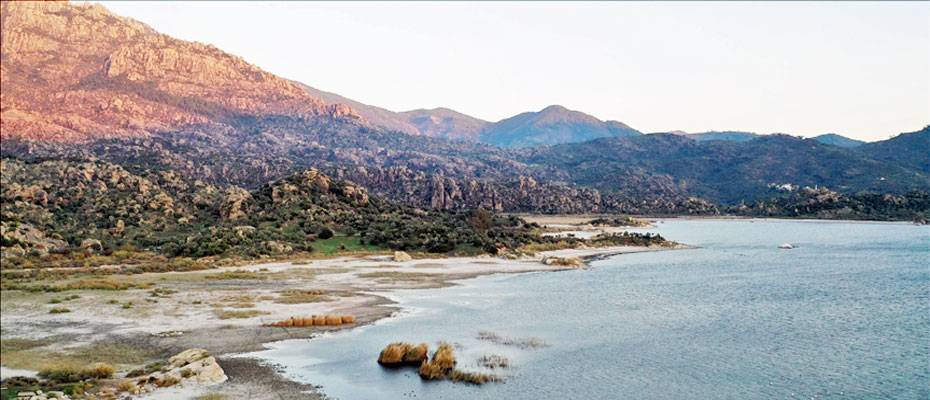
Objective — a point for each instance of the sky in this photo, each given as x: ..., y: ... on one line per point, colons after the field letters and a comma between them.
x: 857, y: 69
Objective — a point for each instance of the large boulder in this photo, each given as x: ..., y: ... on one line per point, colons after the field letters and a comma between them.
x: 401, y: 256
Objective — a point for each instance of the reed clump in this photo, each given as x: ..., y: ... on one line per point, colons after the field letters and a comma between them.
x: 441, y: 365
x: 314, y: 320
x: 475, y: 378
x: 403, y: 354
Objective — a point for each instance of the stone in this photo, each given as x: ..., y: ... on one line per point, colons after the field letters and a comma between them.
x: 401, y: 256
x: 91, y: 246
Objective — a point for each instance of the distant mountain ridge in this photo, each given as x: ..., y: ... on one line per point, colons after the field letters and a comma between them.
x: 446, y: 123
x: 552, y: 125
x: 838, y: 140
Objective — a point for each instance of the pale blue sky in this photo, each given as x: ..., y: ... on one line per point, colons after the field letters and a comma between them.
x: 858, y: 69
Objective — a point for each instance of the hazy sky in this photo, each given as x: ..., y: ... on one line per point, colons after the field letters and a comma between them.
x: 858, y: 69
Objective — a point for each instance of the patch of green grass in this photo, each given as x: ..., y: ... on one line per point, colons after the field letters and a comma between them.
x: 295, y: 296
x: 237, y: 274
x: 343, y: 244
x: 29, y: 354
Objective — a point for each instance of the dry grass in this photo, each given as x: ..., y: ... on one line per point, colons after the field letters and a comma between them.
x: 475, y: 378
x: 301, y: 296
x: 314, y: 320
x: 166, y: 381
x: 236, y: 314
x: 211, y: 396
x: 100, y: 284
x: 69, y: 373
x: 533, y: 248
x: 399, y: 354
x: 441, y: 365
x: 523, y: 343
x: 236, y: 275
x: 494, y: 361
x: 127, y: 385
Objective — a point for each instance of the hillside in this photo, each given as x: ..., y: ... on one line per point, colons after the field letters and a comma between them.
x: 838, y: 140
x: 445, y: 123
x: 551, y: 125
x: 77, y: 72
x: 910, y: 150
x: 373, y: 115
x: 727, y: 136
x: 724, y: 171
x: 54, y: 206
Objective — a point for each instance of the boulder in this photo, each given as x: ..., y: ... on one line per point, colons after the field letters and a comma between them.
x: 91, y: 246
x: 402, y: 256
x: 563, y: 261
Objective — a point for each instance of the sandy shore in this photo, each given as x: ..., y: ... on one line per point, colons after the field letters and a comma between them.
x: 223, y: 310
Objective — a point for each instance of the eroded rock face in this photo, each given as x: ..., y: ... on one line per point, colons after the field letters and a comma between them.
x: 103, y: 75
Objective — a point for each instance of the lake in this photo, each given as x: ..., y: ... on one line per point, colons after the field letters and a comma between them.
x: 846, y: 314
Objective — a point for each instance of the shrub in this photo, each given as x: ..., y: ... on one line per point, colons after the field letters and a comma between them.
x: 60, y: 373
x: 441, y: 365
x: 416, y: 355
x: 325, y: 233
x: 127, y: 385
x: 59, y: 310
x: 393, y: 354
x: 98, y: 371
x: 400, y: 354
x: 186, y: 373
x: 301, y: 296
x: 69, y: 373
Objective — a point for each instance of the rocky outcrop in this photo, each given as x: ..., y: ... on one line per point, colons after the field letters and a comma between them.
x: 190, y: 367
x: 21, y: 238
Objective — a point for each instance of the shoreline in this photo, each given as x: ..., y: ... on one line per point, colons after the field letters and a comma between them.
x: 253, y: 359
x: 353, y: 285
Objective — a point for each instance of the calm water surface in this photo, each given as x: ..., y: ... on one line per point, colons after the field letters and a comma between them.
x: 845, y: 315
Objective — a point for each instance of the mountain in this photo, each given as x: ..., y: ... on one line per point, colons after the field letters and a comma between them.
x: 727, y: 136
x: 437, y: 122
x: 838, y: 140
x: 373, y: 115
x: 910, y: 150
x: 76, y: 72
x: 445, y: 123
x: 552, y: 125
x: 724, y: 171
x: 83, y: 85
